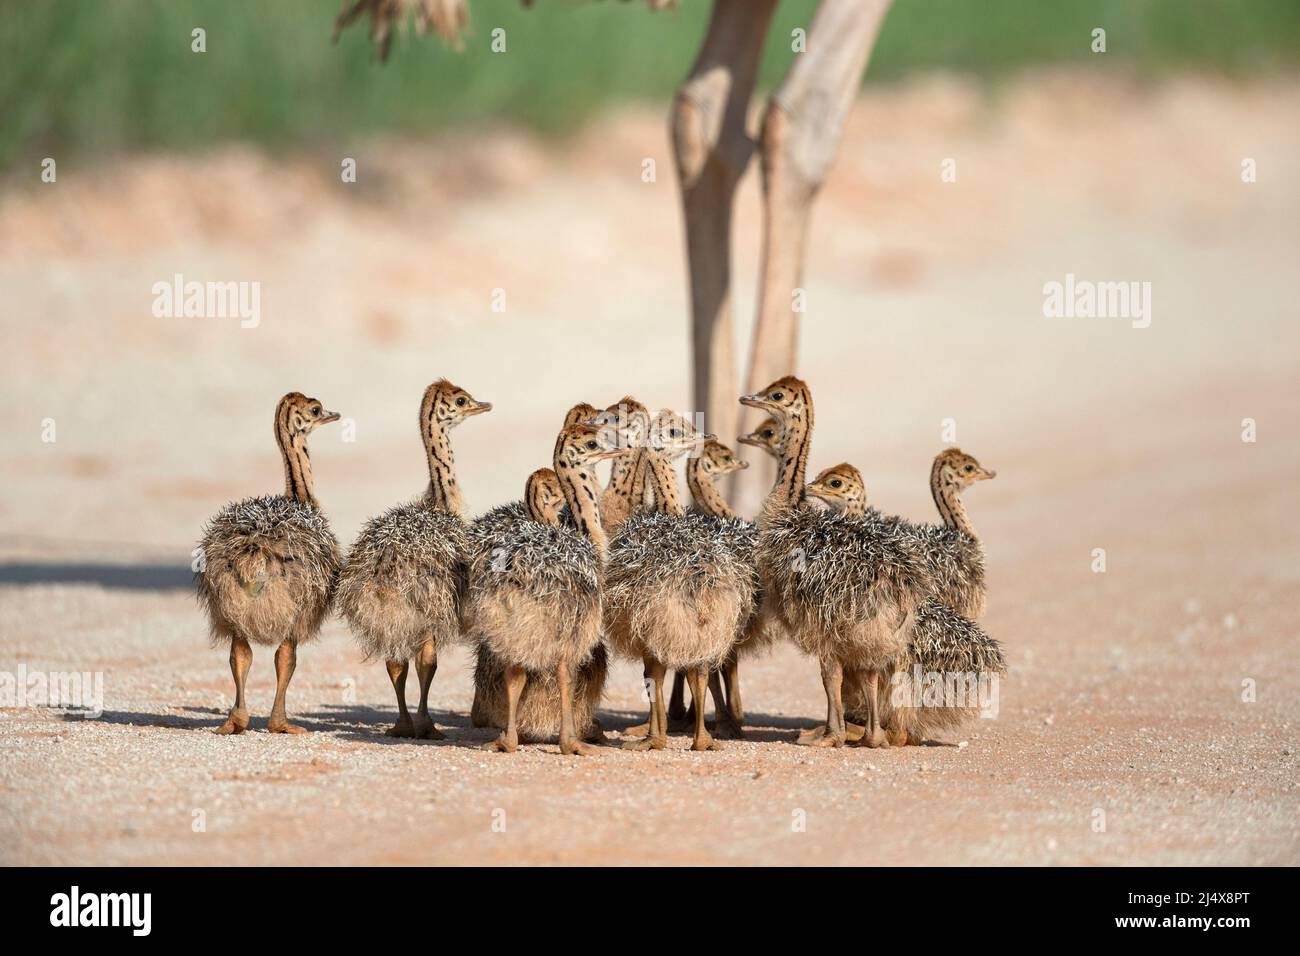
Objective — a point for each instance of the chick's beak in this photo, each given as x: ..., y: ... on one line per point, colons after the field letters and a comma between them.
x: 753, y: 401
x: 329, y: 417
x: 478, y: 408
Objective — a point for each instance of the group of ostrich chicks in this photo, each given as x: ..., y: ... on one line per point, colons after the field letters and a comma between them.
x: 546, y: 587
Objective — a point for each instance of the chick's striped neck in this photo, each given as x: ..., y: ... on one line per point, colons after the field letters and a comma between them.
x: 789, y: 490
x: 947, y: 498
x: 536, y: 506
x: 581, y: 494
x: 703, y: 492
x: 444, y: 492
x: 626, y: 492
x: 297, y: 461
x: 664, y: 481
x: 855, y: 508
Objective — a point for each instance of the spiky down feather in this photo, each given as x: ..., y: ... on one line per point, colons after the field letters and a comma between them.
x: 270, y: 565
x: 679, y: 588
x: 404, y: 581
x: 534, y: 590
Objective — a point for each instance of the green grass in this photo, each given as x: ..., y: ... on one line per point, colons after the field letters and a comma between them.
x: 95, y: 76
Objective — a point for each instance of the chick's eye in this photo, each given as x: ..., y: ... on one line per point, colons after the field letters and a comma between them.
x: 777, y: 396
x: 315, y: 410
x: 970, y: 467
x: 836, y: 483
x: 675, y: 433
x: 591, y: 445
x: 461, y: 401
x: 768, y: 433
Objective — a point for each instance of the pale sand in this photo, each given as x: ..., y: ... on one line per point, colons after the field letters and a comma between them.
x: 1125, y: 694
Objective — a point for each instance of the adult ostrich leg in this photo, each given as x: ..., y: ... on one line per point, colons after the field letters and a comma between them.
x: 802, y: 128
x: 801, y: 134
x: 712, y: 148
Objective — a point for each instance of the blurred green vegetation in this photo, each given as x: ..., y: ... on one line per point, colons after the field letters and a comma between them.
x: 91, y: 76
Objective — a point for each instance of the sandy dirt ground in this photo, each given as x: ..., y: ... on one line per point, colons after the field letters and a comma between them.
x: 1150, y: 715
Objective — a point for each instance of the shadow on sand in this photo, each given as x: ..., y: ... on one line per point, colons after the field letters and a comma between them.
x: 369, y: 725
x: 130, y: 718
x: 129, y: 577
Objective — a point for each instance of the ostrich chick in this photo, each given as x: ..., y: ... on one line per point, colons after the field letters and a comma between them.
x: 843, y: 587
x: 270, y: 566
x: 537, y: 714
x: 940, y: 641
x: 676, y: 593
x: 766, y: 437
x: 401, y: 588
x: 536, y: 593
x: 702, y: 470
x: 842, y: 489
